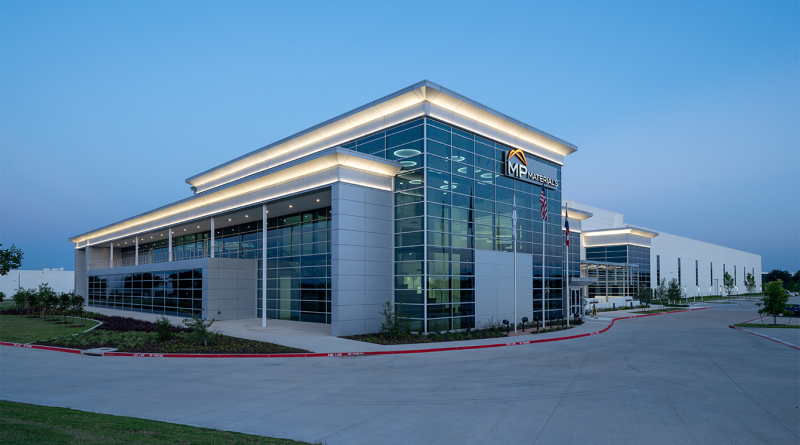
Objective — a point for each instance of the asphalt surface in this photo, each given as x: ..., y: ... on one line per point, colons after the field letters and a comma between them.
x: 678, y: 378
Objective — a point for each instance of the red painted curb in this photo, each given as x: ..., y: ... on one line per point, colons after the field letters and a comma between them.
x: 349, y: 354
x: 46, y: 348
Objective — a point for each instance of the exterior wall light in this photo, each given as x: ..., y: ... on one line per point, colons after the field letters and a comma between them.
x: 524, y: 320
x: 505, y: 322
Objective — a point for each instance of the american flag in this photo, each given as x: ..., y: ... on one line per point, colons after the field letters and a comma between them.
x: 566, y: 225
x: 543, y: 200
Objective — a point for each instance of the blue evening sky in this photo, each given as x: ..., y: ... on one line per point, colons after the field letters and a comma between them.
x: 685, y: 114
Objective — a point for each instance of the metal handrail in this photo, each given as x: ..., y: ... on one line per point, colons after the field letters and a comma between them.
x: 150, y: 258
x: 177, y: 255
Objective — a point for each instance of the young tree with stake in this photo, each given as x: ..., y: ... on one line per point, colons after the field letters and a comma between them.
x: 727, y: 281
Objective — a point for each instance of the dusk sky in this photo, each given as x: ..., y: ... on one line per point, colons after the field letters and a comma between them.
x: 686, y: 115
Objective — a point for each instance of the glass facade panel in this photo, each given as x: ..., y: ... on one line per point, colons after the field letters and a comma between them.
x: 299, y: 267
x: 168, y: 292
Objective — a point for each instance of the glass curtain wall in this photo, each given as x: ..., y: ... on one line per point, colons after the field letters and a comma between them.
x: 626, y: 253
x: 169, y: 292
x: 613, y: 279
x: 451, y: 200
x: 298, y: 267
x: 236, y: 241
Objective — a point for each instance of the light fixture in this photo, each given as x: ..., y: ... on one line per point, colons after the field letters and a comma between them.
x: 246, y: 216
x: 230, y: 219
x: 318, y: 200
x: 184, y: 230
x: 198, y: 227
x: 290, y: 206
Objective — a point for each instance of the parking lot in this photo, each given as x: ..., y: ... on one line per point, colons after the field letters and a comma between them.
x: 677, y: 378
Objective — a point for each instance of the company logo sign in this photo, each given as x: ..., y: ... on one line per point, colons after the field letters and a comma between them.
x: 516, y: 166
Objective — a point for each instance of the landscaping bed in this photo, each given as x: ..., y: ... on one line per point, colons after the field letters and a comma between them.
x: 180, y: 343
x: 759, y: 325
x: 127, y: 334
x: 473, y: 334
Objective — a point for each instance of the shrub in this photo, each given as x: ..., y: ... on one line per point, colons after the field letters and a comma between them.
x: 395, y: 325
x: 163, y: 328
x: 198, y: 330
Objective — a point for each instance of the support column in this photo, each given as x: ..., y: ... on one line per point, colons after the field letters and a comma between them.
x: 136, y: 251
x: 111, y: 256
x: 264, y: 266
x: 212, y: 238
x: 169, y: 240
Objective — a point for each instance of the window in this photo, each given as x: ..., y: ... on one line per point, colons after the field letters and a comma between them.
x: 658, y: 269
x: 679, y: 271
x: 696, y: 273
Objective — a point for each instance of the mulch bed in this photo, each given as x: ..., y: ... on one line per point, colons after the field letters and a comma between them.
x: 221, y: 344
x: 416, y: 339
x: 126, y: 324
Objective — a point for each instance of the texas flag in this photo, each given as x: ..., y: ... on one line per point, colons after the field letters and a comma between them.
x: 566, y: 224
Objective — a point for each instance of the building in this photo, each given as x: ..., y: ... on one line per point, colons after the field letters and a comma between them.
x: 409, y: 198
x: 59, y: 280
x: 609, y: 245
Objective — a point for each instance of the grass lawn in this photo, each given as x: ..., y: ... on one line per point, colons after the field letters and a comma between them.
x: 19, y: 329
x: 33, y: 424
x: 767, y: 325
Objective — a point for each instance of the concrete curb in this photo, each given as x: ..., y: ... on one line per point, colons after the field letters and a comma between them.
x: 349, y: 354
x: 776, y: 340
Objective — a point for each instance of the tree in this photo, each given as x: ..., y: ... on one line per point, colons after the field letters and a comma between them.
x: 20, y: 298
x: 2, y: 296
x: 643, y: 294
x: 77, y: 303
x: 46, y: 297
x: 774, y: 300
x: 661, y: 291
x: 674, y: 292
x: 727, y: 281
x: 49, y: 300
x: 776, y: 274
x: 32, y: 298
x: 750, y: 283
x: 64, y: 301
x: 10, y: 259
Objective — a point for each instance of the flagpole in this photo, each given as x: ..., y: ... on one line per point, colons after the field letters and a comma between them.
x: 514, y: 240
x: 543, y: 250
x: 544, y: 226
x: 569, y: 272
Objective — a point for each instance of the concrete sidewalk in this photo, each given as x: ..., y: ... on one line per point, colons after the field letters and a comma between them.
x: 317, y: 337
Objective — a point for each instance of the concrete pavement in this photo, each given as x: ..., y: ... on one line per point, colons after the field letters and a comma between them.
x: 679, y: 378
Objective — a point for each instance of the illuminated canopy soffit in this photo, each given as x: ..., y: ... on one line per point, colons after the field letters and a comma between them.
x: 325, y: 160
x: 622, y: 231
x: 421, y: 92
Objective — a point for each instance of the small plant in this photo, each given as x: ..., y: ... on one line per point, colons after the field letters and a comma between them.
x: 163, y: 328
x: 395, y: 325
x: 198, y: 330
